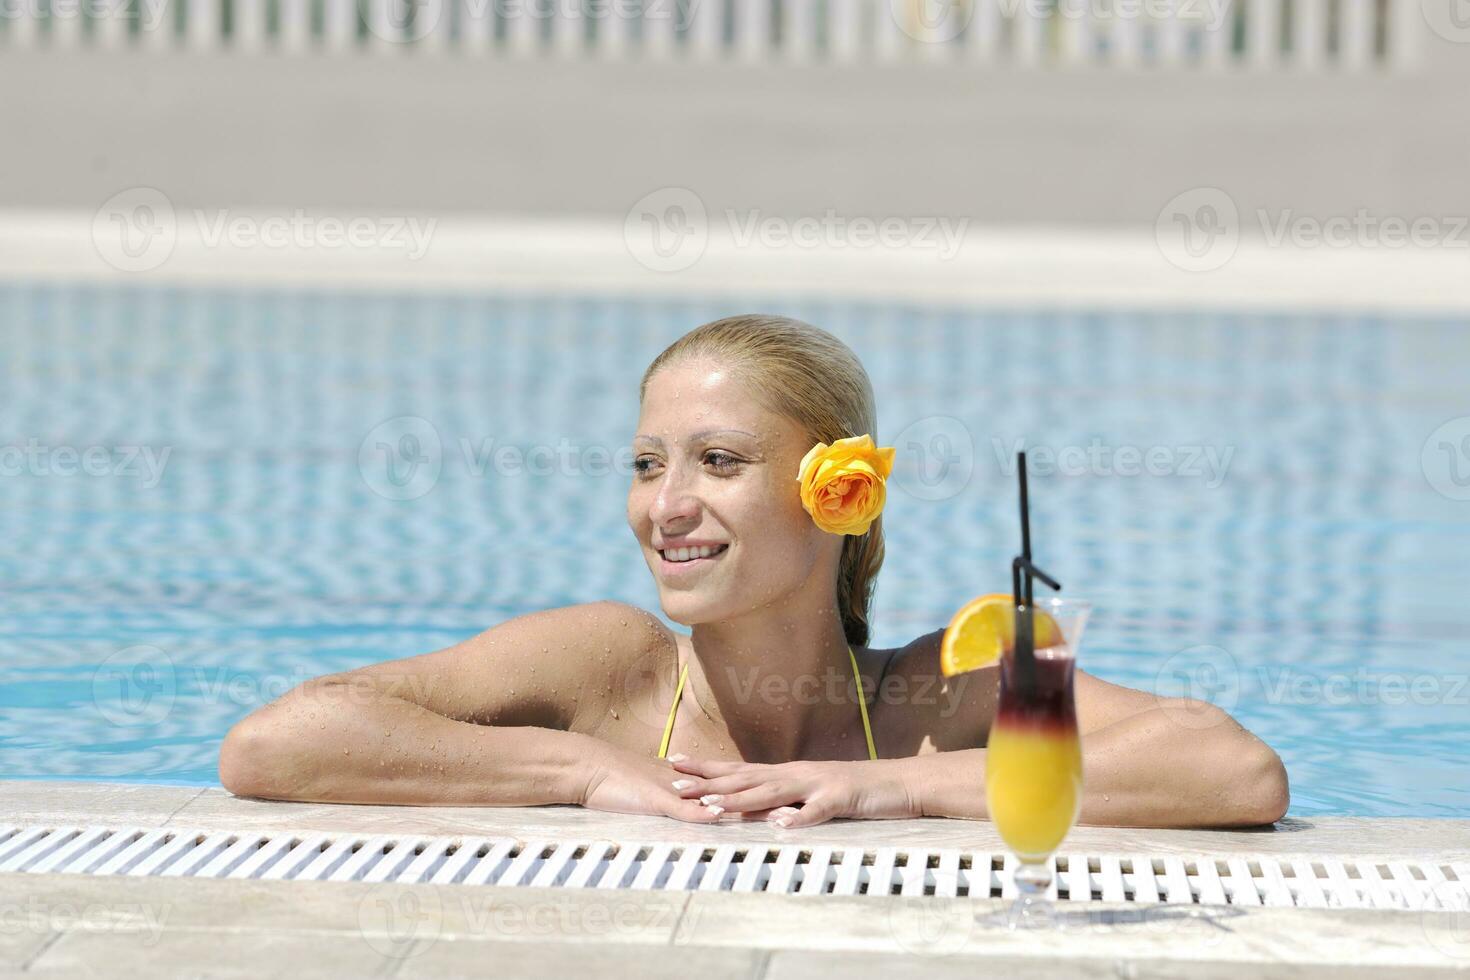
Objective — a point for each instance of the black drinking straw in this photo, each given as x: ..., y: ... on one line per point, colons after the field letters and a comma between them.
x: 1023, y: 573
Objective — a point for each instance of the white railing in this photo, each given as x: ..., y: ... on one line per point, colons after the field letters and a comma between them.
x: 1350, y: 35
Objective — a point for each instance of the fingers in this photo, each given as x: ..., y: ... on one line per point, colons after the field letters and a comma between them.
x: 762, y: 797
x: 693, y: 789
x: 813, y: 813
x: 692, y: 811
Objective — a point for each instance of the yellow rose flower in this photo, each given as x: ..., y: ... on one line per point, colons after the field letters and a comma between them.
x: 844, y: 485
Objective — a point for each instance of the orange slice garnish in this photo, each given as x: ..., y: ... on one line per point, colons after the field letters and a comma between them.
x: 983, y: 629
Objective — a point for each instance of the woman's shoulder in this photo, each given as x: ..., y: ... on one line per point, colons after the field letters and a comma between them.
x: 609, y: 629
x: 919, y: 655
x: 924, y: 711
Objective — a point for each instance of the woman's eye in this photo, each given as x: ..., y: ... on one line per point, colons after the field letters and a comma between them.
x: 643, y: 464
x: 721, y: 461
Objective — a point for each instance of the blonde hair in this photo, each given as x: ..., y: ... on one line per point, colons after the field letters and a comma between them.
x: 814, y: 379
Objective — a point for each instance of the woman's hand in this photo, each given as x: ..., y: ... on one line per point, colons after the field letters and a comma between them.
x: 799, y: 794
x: 626, y: 782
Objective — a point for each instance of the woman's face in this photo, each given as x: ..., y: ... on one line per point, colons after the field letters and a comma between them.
x: 714, y: 474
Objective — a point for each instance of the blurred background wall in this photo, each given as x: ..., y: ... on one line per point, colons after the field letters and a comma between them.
x: 1046, y: 112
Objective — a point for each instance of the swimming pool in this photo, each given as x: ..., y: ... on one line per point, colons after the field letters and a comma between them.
x: 209, y: 495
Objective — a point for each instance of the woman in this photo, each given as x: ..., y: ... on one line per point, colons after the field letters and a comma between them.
x: 758, y: 706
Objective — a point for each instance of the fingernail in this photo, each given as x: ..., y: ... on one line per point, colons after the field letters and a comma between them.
x: 683, y: 783
x: 715, y: 811
x: 783, y: 822
x: 711, y: 798
x: 677, y: 757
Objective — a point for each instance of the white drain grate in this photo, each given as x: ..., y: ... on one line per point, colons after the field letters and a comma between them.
x: 793, y: 869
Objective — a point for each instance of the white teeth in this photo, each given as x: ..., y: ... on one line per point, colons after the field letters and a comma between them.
x: 688, y: 554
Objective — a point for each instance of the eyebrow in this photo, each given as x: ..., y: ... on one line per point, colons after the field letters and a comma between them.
x: 698, y: 436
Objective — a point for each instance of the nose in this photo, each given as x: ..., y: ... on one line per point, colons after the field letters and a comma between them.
x: 674, y: 505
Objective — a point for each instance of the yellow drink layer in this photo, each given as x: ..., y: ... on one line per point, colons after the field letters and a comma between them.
x: 1033, y: 785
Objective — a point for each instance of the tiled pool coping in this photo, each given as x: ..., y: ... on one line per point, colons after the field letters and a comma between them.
x: 121, y: 925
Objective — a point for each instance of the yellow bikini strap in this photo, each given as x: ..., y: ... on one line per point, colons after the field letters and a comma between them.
x: 663, y: 746
x: 862, y: 704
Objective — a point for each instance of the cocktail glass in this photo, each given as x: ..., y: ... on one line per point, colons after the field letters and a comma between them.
x: 1033, y: 764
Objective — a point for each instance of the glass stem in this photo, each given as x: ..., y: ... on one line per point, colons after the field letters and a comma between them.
x: 1032, y: 908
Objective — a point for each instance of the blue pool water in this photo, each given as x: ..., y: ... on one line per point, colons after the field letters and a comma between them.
x: 201, y: 506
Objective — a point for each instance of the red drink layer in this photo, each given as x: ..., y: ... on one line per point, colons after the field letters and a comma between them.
x: 1046, y: 702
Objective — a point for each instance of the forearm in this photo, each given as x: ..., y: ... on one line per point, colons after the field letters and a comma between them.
x: 384, y: 749
x: 1143, y: 771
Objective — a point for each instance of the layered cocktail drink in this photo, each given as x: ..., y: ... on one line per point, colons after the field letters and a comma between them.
x: 1033, y: 760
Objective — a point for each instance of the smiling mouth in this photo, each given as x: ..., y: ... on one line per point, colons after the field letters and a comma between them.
x: 679, y: 556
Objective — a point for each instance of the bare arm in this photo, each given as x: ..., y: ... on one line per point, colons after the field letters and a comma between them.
x: 510, y: 717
